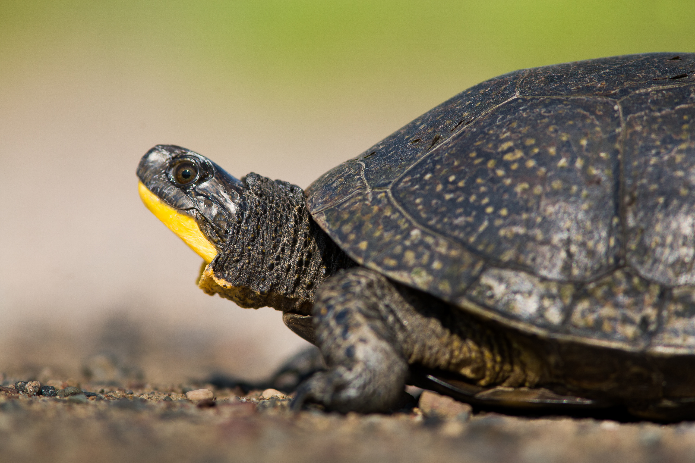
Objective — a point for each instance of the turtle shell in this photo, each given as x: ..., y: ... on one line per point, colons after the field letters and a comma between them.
x: 558, y: 200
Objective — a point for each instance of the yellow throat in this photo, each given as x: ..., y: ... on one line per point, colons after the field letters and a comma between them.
x: 184, y: 226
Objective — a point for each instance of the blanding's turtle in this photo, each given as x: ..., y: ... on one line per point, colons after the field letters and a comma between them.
x: 530, y: 241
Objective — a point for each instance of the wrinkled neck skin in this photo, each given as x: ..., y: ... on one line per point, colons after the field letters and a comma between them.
x: 275, y: 254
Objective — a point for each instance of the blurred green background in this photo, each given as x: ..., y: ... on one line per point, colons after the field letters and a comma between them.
x: 285, y: 88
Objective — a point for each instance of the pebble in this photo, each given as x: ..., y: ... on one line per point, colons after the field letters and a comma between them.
x: 20, y: 386
x: 48, y: 391
x: 69, y: 391
x: 30, y: 388
x: 432, y: 403
x: 200, y: 394
x: 33, y: 388
x: 268, y: 393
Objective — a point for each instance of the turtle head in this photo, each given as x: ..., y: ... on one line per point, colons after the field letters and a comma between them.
x: 192, y: 195
x: 256, y: 236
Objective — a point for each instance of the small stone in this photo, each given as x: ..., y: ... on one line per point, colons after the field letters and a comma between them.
x: 33, y: 388
x: 432, y: 403
x: 268, y: 393
x: 69, y: 391
x: 200, y: 394
x: 21, y: 386
x: 48, y: 391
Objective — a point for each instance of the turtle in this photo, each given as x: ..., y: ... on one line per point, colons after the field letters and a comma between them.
x: 529, y: 242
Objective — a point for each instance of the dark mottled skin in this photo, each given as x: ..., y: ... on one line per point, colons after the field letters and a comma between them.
x: 370, y: 330
x: 535, y: 231
x: 275, y: 255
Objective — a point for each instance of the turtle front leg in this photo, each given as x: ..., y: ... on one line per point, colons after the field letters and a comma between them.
x: 356, y: 331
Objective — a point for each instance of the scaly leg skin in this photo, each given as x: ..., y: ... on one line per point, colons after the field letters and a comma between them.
x: 356, y: 331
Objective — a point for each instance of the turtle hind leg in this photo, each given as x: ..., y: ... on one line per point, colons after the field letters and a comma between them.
x: 356, y: 333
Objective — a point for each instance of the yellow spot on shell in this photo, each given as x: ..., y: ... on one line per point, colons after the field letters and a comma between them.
x: 444, y: 286
x: 513, y: 156
x: 521, y: 187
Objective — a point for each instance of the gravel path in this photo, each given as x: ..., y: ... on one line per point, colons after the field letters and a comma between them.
x: 133, y: 422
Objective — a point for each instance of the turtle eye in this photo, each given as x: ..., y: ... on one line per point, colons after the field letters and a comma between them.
x: 186, y: 172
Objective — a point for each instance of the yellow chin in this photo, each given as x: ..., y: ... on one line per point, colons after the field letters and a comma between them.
x: 184, y: 226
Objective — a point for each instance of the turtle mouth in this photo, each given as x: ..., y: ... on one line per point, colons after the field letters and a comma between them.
x: 191, y: 195
x: 183, y: 225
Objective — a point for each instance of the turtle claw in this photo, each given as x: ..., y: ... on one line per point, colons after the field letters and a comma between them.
x: 319, y: 389
x: 301, y: 399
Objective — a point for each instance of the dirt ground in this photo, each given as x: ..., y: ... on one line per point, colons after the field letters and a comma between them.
x: 124, y: 398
